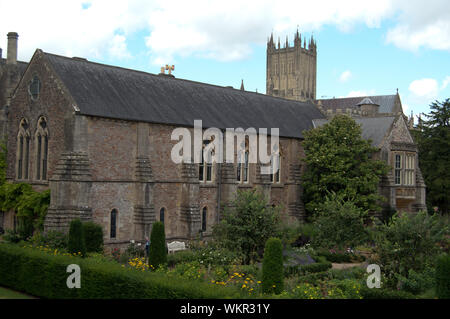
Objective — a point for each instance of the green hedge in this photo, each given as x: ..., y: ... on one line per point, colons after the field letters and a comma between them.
x: 157, y: 254
x: 93, y: 234
x: 443, y: 277
x: 272, y: 268
x: 341, y: 257
x: 44, y: 275
x: 306, y: 269
x: 382, y: 293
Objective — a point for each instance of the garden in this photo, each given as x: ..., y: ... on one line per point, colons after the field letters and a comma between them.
x: 253, y: 253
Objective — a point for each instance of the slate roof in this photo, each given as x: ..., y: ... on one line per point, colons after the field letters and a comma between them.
x: 22, y: 65
x: 373, y: 128
x: 113, y: 92
x: 366, y: 101
x: 386, y: 102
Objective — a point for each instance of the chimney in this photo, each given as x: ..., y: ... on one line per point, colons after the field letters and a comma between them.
x: 11, y: 58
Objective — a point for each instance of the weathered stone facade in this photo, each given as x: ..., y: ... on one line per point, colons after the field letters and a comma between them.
x: 107, y: 144
x: 291, y: 71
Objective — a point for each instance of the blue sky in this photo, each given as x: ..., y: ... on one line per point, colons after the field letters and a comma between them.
x: 364, y: 47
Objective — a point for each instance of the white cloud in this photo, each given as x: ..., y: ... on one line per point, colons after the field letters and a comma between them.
x: 360, y: 93
x: 445, y: 82
x: 118, y: 47
x: 216, y: 29
x: 345, y: 76
x: 421, y: 25
x: 424, y: 88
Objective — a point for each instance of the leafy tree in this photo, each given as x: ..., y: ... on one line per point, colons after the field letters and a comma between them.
x: 247, y: 224
x: 433, y: 139
x: 409, y: 242
x: 77, y: 243
x: 272, y: 268
x: 339, y: 224
x: 157, y: 254
x: 339, y: 160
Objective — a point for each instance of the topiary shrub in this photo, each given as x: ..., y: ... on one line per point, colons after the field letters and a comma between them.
x: 157, y: 254
x: 443, y: 277
x: 93, y: 234
x: 76, y: 244
x: 272, y: 276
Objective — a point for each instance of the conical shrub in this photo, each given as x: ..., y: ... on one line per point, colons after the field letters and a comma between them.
x: 77, y: 244
x: 273, y: 276
x: 157, y: 254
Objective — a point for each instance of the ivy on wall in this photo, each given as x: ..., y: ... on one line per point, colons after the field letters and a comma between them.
x: 30, y: 206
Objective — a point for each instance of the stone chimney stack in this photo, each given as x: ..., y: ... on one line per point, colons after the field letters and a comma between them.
x: 11, y: 58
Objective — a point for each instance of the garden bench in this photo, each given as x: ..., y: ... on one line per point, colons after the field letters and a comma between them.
x: 176, y: 246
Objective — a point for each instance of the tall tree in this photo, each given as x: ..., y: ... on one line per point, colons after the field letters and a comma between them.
x: 339, y: 160
x: 433, y: 139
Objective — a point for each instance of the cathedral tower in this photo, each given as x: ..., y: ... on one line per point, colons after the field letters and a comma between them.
x: 291, y: 71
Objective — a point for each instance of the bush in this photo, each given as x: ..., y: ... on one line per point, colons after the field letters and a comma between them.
x: 12, y: 236
x: 157, y: 254
x: 248, y: 225
x: 408, y: 242
x: 53, y: 239
x: 443, y: 277
x: 383, y: 293
x: 93, y: 234
x: 306, y: 269
x: 44, y: 275
x: 417, y: 283
x: 339, y: 224
x: 336, y: 257
x: 76, y: 244
x: 182, y: 256
x: 272, y: 269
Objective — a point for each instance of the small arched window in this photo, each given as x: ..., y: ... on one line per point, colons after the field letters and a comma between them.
x: 23, y: 150
x: 204, y: 216
x: 162, y: 212
x: 41, y: 149
x: 113, y: 230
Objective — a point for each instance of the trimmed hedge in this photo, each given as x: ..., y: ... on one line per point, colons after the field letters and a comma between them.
x: 77, y: 243
x: 321, y: 265
x: 93, y: 234
x: 157, y: 254
x: 44, y: 275
x: 443, y: 277
x: 272, y: 268
x: 381, y: 293
x: 341, y: 257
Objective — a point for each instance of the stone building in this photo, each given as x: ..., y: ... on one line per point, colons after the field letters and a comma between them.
x: 100, y: 137
x: 291, y: 71
x: 403, y: 187
x: 11, y: 71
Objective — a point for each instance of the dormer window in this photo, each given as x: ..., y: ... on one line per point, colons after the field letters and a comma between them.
x: 34, y: 88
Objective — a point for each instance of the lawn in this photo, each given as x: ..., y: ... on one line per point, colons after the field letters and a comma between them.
x: 6, y: 293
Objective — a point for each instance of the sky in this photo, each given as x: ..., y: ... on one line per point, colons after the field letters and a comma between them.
x: 364, y: 47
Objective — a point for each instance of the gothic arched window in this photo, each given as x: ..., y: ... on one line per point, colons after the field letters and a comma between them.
x: 205, y: 167
x: 41, y: 149
x: 162, y: 212
x: 113, y: 223
x: 23, y: 150
x: 204, y: 216
x: 242, y: 169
